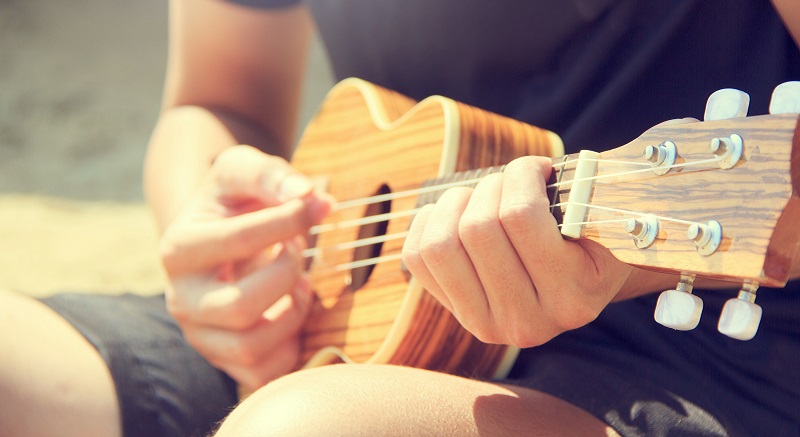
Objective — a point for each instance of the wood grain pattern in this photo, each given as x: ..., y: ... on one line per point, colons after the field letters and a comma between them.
x: 366, y: 141
x: 365, y: 138
x: 755, y: 202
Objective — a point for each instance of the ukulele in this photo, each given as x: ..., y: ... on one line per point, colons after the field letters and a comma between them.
x: 715, y: 199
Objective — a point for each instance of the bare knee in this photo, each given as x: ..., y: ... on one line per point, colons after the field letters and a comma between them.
x: 380, y: 400
x: 324, y: 401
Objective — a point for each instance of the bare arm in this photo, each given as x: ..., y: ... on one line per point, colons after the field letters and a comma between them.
x: 232, y: 215
x: 789, y: 10
x: 233, y: 76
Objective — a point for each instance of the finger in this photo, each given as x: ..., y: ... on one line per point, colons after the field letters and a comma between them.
x: 244, y: 171
x: 505, y: 280
x: 574, y: 279
x: 249, y: 265
x: 239, y: 304
x: 191, y: 247
x: 283, y: 359
x: 412, y: 257
x: 251, y: 346
x: 552, y: 262
x: 448, y: 262
x: 525, y: 215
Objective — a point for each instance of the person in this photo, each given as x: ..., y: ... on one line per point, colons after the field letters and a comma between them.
x: 597, y: 73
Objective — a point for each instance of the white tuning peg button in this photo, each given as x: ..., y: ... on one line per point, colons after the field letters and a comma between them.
x: 740, y: 317
x: 727, y: 103
x: 785, y: 98
x: 678, y: 310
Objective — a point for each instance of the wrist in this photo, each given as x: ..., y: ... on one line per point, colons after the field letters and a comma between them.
x: 182, y: 148
x: 641, y: 282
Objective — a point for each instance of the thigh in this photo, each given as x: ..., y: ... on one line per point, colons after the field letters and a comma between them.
x: 163, y: 386
x: 52, y: 380
x: 381, y: 400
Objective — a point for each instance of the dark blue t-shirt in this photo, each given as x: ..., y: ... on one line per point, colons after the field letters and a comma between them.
x: 599, y: 73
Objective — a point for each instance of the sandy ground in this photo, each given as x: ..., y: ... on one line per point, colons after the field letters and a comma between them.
x: 80, y: 85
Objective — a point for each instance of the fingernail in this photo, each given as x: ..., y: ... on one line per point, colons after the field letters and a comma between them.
x: 294, y: 186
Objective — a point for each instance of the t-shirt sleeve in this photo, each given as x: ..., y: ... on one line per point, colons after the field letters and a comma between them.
x: 266, y: 3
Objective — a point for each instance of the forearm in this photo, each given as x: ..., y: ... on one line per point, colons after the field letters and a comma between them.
x: 183, y: 146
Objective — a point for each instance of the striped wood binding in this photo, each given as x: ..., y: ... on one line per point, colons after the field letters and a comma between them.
x: 367, y: 140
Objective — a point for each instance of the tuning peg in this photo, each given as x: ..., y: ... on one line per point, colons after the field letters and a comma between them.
x: 727, y: 103
x: 679, y: 309
x: 741, y: 316
x: 785, y: 98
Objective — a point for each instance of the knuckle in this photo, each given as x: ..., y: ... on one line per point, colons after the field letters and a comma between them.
x: 478, y: 231
x: 243, y: 352
x: 515, y: 216
x: 412, y: 258
x: 239, y: 315
x: 481, y: 329
x: 437, y: 251
x: 524, y: 336
x: 486, y: 335
x: 575, y: 315
x: 233, y: 153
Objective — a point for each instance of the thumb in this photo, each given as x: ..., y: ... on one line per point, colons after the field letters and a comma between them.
x: 244, y: 171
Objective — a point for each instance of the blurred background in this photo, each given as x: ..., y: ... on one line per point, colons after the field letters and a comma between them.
x: 80, y: 88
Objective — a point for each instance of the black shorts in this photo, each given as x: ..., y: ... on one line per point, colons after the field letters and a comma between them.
x: 645, y: 379
x: 639, y: 377
x: 163, y: 386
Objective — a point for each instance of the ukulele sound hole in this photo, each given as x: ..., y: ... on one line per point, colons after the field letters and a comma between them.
x: 360, y: 275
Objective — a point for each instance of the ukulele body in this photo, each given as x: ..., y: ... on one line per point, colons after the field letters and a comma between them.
x: 367, y: 141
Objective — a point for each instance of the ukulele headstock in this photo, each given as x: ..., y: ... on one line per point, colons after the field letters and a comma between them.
x: 715, y: 199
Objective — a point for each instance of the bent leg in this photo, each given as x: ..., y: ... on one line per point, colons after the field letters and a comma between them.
x: 52, y: 380
x: 380, y: 400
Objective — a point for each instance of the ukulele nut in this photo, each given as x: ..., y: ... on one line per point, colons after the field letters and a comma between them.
x: 661, y: 157
x: 706, y: 237
x: 728, y: 151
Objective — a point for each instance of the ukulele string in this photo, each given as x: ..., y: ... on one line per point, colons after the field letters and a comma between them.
x: 319, y: 229
x: 313, y: 252
x: 629, y: 172
x: 443, y: 186
x: 328, y: 227
x: 597, y: 222
x: 357, y: 264
x: 624, y: 211
x: 310, y: 253
x: 440, y: 187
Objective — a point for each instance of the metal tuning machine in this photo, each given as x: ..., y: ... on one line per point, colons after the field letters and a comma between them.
x: 679, y: 309
x: 741, y: 316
